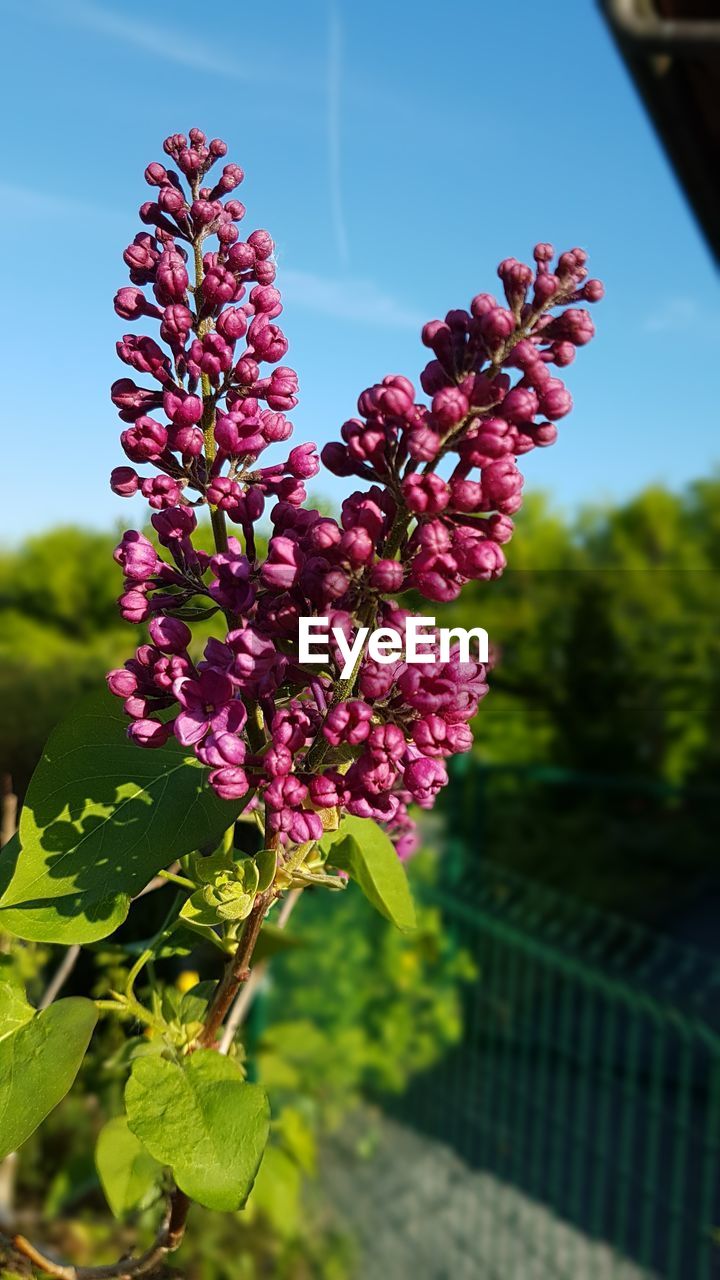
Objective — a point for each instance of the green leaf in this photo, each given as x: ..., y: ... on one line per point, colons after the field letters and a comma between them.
x: 101, y: 818
x: 194, y: 1003
x: 266, y: 863
x: 207, y: 868
x: 198, y: 911
x: 15, y: 1010
x: 202, y: 1119
x: 128, y: 1173
x: 38, y: 1064
x: 366, y: 853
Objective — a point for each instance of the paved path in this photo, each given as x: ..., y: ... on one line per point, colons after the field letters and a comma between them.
x: 419, y: 1213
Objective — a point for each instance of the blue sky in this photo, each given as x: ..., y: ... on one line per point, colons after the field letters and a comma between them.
x: 396, y: 151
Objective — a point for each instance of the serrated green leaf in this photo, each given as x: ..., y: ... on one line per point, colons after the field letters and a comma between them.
x: 38, y: 1064
x: 362, y: 849
x: 15, y: 1010
x: 101, y: 818
x: 128, y: 1172
x: 202, y: 1119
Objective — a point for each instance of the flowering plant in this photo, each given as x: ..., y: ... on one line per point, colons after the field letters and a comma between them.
x: 247, y: 728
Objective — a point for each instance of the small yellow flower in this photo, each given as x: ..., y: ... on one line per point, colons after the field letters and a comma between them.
x: 188, y: 979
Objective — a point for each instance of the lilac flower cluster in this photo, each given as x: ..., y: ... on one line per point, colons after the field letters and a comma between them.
x: 443, y: 486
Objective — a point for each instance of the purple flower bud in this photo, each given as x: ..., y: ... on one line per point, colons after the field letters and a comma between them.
x: 161, y: 491
x: 145, y: 440
x: 425, y: 494
x: 465, y: 495
x: 382, y: 808
x: 156, y: 174
x: 171, y: 278
x: 436, y: 576
x: 232, y: 324
x: 555, y: 401
x: 121, y: 682
x: 323, y: 535
x: 229, y: 783
x: 188, y: 441
x: 371, y: 775
x: 500, y: 482
x: 423, y: 444
x: 387, y: 575
x: 170, y: 634
x: 174, y: 525
x: 435, y: 537
x: 134, y: 606
x: 348, y: 722
x: 281, y: 392
x: 357, y: 546
x: 266, y: 340
x: 124, y: 481
x: 496, y: 325
x: 131, y: 304
x: 520, y: 405
x: 266, y: 301
x: 149, y: 733
x: 478, y: 558
x: 220, y: 749
x: 131, y: 401
x: 261, y: 242
x: 231, y: 587
x: 328, y: 790
x: 303, y: 461
x: 593, y: 291
x: 449, y: 407
x: 219, y: 287
x: 277, y: 761
x: 500, y: 528
x: 284, y: 562
x: 142, y: 257
x: 177, y: 325
x: 223, y: 492
x: 285, y: 791
x: 136, y: 555
x: 386, y: 741
x: 423, y: 779
x: 144, y: 355
x: 546, y: 286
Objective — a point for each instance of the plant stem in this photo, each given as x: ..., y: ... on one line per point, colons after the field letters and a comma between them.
x: 237, y: 971
x: 176, y: 879
x: 167, y: 1240
x: 246, y: 994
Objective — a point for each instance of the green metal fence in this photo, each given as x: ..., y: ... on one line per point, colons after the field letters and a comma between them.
x: 587, y: 1080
